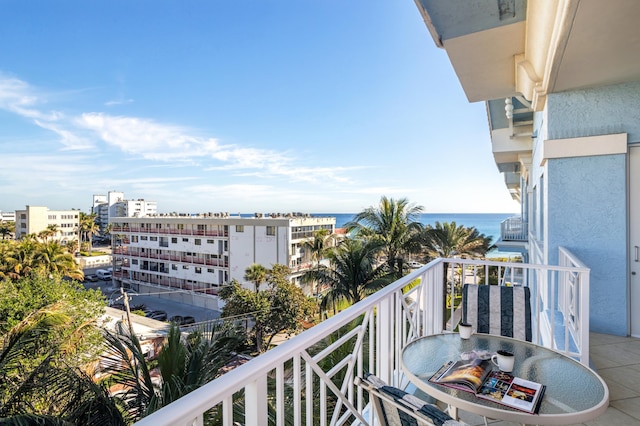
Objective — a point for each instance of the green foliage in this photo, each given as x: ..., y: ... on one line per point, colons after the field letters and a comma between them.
x: 30, y: 257
x: 185, y: 364
x: 450, y: 240
x: 38, y: 382
x: 354, y: 272
x: 281, y: 308
x: 7, y: 228
x: 20, y: 298
x: 395, y: 224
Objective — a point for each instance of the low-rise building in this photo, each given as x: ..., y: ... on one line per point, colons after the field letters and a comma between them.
x: 7, y: 216
x: 35, y: 219
x: 189, y: 257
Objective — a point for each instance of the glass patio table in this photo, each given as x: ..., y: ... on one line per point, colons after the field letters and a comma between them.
x: 574, y: 393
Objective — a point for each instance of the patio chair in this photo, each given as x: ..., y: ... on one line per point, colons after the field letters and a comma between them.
x: 395, y: 407
x: 498, y: 310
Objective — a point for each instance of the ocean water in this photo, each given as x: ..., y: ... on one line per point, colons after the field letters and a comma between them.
x: 486, y: 223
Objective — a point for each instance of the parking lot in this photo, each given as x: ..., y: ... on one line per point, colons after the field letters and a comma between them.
x: 151, y: 302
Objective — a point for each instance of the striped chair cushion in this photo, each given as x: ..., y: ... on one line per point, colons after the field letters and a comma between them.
x: 396, y: 407
x: 498, y: 310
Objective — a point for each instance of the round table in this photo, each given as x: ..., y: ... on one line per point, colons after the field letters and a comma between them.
x: 574, y: 393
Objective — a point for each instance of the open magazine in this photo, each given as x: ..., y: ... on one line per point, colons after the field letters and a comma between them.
x: 479, y: 377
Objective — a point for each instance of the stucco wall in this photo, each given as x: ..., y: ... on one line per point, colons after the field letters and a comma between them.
x: 587, y: 215
x: 589, y: 112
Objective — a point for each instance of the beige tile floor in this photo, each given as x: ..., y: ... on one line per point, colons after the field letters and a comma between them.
x: 617, y: 360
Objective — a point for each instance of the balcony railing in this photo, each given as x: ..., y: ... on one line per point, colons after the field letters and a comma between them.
x: 309, y: 378
x: 514, y: 229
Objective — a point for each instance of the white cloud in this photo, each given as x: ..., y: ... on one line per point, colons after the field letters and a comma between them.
x: 18, y: 97
x: 116, y: 102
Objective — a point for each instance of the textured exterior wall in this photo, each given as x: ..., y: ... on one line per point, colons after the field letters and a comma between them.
x: 599, y: 111
x: 587, y: 215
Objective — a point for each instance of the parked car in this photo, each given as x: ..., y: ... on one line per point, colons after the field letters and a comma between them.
x: 157, y: 315
x: 103, y: 274
x: 91, y: 277
x: 414, y: 265
x: 178, y: 319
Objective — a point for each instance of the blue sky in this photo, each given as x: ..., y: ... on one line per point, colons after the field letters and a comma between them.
x: 238, y: 106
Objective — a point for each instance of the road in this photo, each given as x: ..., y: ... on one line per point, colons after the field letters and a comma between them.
x: 152, y: 302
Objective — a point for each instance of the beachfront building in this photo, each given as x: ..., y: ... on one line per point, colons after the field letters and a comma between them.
x: 35, y: 219
x: 191, y: 256
x: 115, y: 205
x: 561, y: 82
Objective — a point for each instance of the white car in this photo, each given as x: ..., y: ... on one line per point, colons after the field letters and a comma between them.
x: 414, y: 265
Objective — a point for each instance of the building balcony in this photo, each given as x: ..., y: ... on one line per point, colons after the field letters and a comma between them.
x: 514, y: 229
x: 308, y: 379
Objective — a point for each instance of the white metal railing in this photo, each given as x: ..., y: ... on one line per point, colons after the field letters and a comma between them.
x: 308, y: 380
x: 514, y: 229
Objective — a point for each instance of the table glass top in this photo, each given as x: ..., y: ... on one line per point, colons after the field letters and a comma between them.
x: 571, y: 387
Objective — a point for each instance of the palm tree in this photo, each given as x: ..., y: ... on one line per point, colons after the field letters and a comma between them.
x: 49, y: 232
x: 88, y: 228
x: 257, y: 274
x: 184, y: 364
x: 317, y: 246
x: 451, y: 240
x: 19, y: 260
x: 353, y: 273
x: 53, y: 258
x: 72, y: 246
x: 37, y: 386
x: 395, y: 223
x: 7, y: 228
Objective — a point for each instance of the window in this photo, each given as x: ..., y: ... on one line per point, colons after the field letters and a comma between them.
x: 134, y: 261
x: 239, y: 228
x: 174, y: 240
x: 202, y: 227
x: 185, y: 240
x: 134, y: 238
x: 153, y: 238
x: 271, y: 230
x: 198, y: 270
x: 174, y: 266
x: 144, y: 238
x: 211, y: 242
x: 185, y: 266
x: 210, y: 270
x: 198, y: 242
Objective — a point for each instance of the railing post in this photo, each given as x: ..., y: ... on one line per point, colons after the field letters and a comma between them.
x: 385, y: 339
x: 584, y: 317
x: 256, y: 402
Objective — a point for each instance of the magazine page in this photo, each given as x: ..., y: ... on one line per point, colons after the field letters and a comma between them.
x: 469, y: 374
x: 514, y: 392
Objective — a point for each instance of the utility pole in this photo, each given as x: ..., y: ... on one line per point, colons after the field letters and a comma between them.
x: 125, y: 297
x: 126, y: 307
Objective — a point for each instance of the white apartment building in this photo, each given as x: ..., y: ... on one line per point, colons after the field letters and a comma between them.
x: 189, y: 257
x: 35, y: 219
x: 7, y: 216
x: 114, y: 205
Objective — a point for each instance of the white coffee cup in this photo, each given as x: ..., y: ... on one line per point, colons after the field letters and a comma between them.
x: 504, y: 360
x: 465, y: 330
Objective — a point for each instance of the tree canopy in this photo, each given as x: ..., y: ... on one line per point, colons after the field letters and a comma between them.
x: 396, y: 224
x: 281, y: 308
